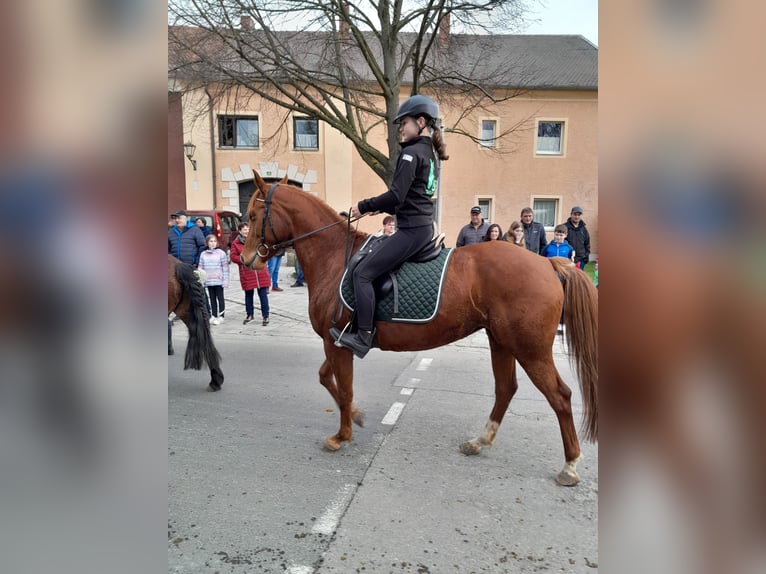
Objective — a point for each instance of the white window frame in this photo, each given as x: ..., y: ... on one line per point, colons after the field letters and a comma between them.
x: 564, y: 136
x: 494, y: 143
x: 237, y: 117
x: 557, y: 211
x: 295, y: 136
x: 489, y: 201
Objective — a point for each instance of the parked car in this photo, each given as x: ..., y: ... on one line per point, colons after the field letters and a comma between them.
x: 223, y: 224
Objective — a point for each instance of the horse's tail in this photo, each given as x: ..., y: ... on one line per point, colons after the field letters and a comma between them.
x: 200, y: 347
x: 581, y: 320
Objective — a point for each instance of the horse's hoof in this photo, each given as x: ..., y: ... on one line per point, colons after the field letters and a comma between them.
x: 470, y: 448
x: 171, y: 352
x: 332, y: 443
x: 568, y: 475
x: 358, y: 417
x: 211, y: 388
x: 567, y: 478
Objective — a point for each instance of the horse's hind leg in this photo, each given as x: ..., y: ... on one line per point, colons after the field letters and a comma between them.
x: 545, y: 377
x: 170, y: 338
x: 504, y: 369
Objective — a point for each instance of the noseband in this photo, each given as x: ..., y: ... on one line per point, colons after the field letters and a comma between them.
x: 264, y: 248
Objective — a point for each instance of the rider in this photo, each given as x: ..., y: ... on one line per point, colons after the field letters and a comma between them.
x: 409, y: 199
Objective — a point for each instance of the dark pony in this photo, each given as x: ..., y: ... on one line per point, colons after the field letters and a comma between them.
x: 519, y: 305
x: 186, y: 298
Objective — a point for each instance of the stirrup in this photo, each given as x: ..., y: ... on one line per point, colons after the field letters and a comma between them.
x: 357, y: 343
x: 336, y: 334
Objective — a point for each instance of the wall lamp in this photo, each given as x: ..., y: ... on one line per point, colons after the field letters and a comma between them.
x: 189, y: 149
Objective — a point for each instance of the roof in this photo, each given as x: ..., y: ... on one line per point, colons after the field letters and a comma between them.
x: 504, y: 60
x: 532, y: 61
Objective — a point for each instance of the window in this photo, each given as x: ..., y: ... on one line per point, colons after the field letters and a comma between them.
x: 306, y: 133
x: 238, y: 131
x: 550, y: 138
x: 486, y: 209
x: 545, y: 211
x: 488, y: 133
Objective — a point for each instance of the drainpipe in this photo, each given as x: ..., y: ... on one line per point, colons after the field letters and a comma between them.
x: 212, y: 146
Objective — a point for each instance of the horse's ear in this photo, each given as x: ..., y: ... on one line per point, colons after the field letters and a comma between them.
x: 259, y: 183
x: 284, y: 179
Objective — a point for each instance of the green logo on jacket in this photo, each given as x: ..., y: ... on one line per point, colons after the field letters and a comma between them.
x: 431, y: 187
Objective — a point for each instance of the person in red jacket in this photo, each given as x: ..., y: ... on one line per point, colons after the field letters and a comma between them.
x: 250, y: 279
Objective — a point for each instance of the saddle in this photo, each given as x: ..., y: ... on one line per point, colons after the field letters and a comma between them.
x: 412, y: 292
x: 385, y: 284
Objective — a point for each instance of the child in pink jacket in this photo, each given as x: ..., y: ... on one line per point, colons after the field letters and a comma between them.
x: 216, y: 267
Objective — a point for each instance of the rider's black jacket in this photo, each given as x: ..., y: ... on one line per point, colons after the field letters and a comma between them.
x: 409, y: 197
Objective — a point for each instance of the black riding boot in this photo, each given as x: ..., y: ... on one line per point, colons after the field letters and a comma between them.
x: 360, y: 342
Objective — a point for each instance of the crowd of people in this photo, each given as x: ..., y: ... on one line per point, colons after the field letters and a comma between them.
x: 192, y: 242
x: 571, y: 239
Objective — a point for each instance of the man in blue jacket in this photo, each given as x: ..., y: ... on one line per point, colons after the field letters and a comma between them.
x: 184, y: 242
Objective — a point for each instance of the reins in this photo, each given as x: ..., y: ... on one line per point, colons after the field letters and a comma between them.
x: 264, y: 248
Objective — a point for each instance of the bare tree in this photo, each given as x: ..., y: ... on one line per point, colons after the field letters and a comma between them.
x: 345, y: 62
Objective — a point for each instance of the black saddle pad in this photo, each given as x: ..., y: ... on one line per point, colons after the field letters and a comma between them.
x: 420, y: 287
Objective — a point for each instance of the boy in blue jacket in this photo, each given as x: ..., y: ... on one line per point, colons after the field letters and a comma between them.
x: 559, y: 246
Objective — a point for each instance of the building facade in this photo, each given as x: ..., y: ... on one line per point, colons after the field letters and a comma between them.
x: 537, y: 148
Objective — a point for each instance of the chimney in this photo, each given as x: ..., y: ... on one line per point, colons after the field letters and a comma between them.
x: 343, y: 27
x: 443, y: 39
x: 245, y: 22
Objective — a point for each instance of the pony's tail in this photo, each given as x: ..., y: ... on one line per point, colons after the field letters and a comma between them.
x: 200, y: 348
x: 581, y: 320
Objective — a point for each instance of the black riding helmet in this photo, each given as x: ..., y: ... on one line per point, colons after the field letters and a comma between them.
x: 417, y: 106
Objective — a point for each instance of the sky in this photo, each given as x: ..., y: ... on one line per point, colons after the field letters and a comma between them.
x: 565, y: 17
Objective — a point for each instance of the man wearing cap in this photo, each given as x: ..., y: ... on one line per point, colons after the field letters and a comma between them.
x: 578, y: 236
x: 184, y: 242
x: 475, y: 231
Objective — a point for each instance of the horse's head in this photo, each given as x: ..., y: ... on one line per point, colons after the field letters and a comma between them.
x: 268, y: 225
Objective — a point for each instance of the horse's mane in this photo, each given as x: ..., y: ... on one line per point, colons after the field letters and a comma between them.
x: 321, y: 207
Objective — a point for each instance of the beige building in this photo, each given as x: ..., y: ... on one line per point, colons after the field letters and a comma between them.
x: 548, y: 161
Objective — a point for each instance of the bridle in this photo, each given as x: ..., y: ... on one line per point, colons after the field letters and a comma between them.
x: 264, y: 248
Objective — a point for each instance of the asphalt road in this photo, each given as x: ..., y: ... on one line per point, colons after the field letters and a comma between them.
x: 250, y: 488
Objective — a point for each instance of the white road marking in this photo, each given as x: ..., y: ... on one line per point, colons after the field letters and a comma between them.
x: 299, y: 570
x: 331, y: 515
x: 393, y: 414
x: 406, y: 391
x: 424, y: 364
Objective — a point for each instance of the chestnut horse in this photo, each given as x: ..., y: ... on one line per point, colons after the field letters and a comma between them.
x: 186, y: 298
x: 515, y: 295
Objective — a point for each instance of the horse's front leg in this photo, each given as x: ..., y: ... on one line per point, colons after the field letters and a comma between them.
x: 327, y: 380
x: 339, y: 364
